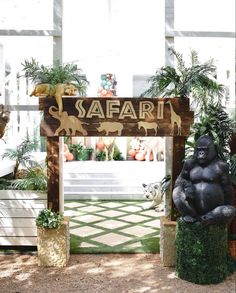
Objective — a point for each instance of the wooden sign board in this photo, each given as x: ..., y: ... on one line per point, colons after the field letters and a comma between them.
x: 116, y: 116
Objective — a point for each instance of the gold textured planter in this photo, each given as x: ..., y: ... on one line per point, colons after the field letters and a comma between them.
x: 54, y: 245
x: 167, y: 242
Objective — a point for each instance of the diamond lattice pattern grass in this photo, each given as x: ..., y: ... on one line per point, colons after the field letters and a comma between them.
x: 113, y: 226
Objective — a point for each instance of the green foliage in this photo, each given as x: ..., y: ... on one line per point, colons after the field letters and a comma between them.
x: 100, y: 156
x: 66, y: 73
x: 197, y: 80
x: 201, y: 253
x: 6, y: 184
x: 35, y: 179
x: 117, y: 156
x: 48, y: 219
x: 215, y: 122
x: 81, y: 152
x: 86, y: 153
x: 21, y: 154
x: 76, y: 149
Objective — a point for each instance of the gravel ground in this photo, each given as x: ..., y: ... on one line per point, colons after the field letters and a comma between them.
x: 116, y: 273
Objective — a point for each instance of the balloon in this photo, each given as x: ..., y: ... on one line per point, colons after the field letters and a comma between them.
x: 132, y: 152
x: 100, y: 145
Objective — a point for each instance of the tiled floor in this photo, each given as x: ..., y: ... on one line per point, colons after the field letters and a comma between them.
x: 112, y: 226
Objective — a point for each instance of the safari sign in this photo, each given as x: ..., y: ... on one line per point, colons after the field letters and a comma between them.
x: 116, y: 117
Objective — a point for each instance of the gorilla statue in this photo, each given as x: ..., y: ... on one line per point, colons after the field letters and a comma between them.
x: 203, y: 191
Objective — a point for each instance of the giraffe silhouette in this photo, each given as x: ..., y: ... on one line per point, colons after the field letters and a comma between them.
x: 175, y: 118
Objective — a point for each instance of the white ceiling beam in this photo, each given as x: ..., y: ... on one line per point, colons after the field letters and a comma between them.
x: 31, y: 33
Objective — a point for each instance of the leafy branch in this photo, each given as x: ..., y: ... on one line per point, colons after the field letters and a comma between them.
x: 66, y: 73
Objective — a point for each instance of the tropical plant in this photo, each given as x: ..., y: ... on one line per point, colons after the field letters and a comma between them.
x: 86, y: 153
x: 117, y: 156
x: 21, y: 154
x: 48, y: 219
x: 197, y: 80
x: 76, y: 149
x: 6, y: 184
x: 215, y: 122
x: 66, y: 73
x: 100, y: 155
x: 34, y: 179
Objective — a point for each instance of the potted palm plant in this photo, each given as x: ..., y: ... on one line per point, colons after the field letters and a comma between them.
x: 21, y: 154
x: 197, y: 82
x: 26, y: 190
x: 53, y: 238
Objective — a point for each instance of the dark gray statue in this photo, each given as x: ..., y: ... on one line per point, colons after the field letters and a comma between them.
x: 203, y: 191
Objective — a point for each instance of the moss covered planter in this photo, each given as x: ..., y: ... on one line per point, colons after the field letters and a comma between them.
x: 232, y: 248
x: 54, y: 245
x: 201, y: 253
x: 167, y: 242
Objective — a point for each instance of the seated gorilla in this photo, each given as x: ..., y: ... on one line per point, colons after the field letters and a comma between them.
x: 203, y: 191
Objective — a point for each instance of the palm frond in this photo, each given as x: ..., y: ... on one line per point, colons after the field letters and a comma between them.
x: 194, y: 58
x: 184, y: 81
x: 65, y: 73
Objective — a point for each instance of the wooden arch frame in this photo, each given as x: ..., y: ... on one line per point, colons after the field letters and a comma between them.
x: 111, y: 117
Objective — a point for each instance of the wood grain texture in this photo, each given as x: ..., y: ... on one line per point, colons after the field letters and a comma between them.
x: 99, y: 117
x: 53, y: 172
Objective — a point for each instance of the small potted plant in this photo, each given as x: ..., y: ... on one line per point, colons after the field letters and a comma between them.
x: 53, y: 238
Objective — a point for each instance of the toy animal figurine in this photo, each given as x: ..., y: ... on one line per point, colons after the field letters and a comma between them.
x: 154, y: 146
x: 57, y: 91
x: 203, y: 190
x: 109, y: 147
x: 153, y: 192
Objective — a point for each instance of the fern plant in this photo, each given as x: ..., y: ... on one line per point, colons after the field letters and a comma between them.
x: 197, y: 80
x: 66, y: 73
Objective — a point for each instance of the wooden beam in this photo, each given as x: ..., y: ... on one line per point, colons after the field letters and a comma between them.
x: 116, y: 117
x: 31, y: 33
x: 53, y: 172
x: 177, y: 165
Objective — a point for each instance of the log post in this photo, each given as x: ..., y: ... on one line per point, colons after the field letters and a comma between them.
x: 177, y: 165
x: 53, y: 173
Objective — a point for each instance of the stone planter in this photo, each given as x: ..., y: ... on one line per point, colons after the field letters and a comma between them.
x: 167, y: 242
x: 54, y: 245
